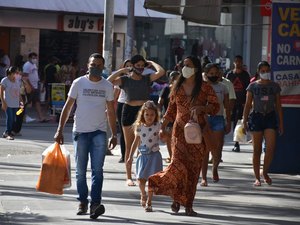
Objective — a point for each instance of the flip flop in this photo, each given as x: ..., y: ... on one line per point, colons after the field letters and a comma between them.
x: 257, y: 183
x: 130, y: 183
x: 268, y: 180
x: 203, y: 183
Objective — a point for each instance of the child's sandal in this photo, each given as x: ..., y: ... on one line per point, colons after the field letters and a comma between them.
x: 148, y: 208
x: 143, y: 200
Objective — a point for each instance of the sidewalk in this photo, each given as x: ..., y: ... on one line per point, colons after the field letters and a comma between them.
x: 231, y: 201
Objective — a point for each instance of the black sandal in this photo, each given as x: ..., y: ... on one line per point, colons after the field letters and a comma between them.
x: 175, y: 207
x: 190, y: 212
x: 148, y: 207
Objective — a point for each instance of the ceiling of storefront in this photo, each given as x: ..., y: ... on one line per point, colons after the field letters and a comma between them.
x: 81, y: 6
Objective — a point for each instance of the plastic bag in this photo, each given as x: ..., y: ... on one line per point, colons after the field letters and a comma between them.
x: 66, y: 154
x: 54, y: 173
x: 238, y: 135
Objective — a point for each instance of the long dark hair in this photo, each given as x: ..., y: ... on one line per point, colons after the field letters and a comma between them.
x: 198, y: 78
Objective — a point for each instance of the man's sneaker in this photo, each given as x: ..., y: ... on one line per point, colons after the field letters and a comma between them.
x: 82, y: 208
x: 16, y: 134
x: 236, y: 147
x: 9, y: 137
x: 28, y: 119
x: 96, y: 209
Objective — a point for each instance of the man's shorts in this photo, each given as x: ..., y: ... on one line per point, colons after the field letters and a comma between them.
x: 34, y: 96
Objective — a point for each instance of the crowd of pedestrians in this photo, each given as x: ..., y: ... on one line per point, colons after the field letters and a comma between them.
x: 194, y: 87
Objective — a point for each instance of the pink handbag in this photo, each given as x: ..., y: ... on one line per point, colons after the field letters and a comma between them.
x: 192, y: 130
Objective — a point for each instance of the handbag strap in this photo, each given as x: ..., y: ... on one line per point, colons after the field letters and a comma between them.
x: 194, y: 116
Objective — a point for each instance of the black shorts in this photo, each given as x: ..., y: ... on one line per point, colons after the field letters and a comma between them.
x: 259, y: 122
x: 34, y: 96
x: 129, y: 114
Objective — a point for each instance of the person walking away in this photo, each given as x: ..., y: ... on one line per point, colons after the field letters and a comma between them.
x: 264, y: 96
x: 146, y: 139
x: 50, y: 78
x: 4, y: 63
x: 179, y: 180
x: 216, y: 122
x: 30, y: 72
x: 120, y: 98
x: 10, y: 98
x: 240, y: 79
x: 163, y: 103
x: 137, y: 90
x: 94, y: 98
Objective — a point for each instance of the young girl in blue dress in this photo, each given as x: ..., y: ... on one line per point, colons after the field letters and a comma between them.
x: 149, y: 161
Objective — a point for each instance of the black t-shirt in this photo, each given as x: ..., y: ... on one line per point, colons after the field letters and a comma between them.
x: 50, y: 74
x: 240, y: 83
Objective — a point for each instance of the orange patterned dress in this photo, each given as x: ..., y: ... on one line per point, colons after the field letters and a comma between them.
x: 179, y: 180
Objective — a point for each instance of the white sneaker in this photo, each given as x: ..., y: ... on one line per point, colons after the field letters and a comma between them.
x: 28, y: 119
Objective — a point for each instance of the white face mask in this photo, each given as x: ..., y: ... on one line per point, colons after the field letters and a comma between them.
x: 187, y: 72
x: 18, y: 76
x: 265, y: 76
x: 34, y: 61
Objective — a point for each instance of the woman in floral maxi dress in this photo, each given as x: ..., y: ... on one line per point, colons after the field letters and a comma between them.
x: 179, y: 180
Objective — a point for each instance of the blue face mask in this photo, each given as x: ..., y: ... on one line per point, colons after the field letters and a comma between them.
x: 95, y: 71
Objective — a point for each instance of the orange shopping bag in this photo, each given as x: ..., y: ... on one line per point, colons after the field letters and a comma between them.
x: 54, y: 171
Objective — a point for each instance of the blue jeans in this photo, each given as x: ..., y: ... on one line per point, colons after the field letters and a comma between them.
x: 93, y: 144
x: 10, y: 119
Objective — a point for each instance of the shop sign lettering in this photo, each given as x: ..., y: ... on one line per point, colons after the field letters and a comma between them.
x: 81, y: 24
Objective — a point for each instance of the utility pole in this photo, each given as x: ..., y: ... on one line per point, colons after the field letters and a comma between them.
x: 108, y: 34
x: 130, y: 29
x: 108, y: 42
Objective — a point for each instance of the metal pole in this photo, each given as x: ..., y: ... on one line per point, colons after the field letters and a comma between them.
x: 108, y: 34
x: 130, y: 29
x: 107, y: 43
x: 247, y: 34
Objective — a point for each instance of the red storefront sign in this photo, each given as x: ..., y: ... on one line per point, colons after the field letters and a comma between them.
x: 265, y: 7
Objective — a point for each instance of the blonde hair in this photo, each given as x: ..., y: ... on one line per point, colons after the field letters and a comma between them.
x: 149, y: 105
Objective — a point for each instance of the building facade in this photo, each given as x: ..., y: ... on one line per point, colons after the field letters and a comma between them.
x: 75, y: 29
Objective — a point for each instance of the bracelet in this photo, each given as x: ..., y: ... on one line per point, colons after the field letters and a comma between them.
x: 114, y: 136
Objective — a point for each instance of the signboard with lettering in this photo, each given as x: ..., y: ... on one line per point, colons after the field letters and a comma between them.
x: 58, y: 94
x: 286, y: 51
x: 76, y: 23
x: 265, y: 7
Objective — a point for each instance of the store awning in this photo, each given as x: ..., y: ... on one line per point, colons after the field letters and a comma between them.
x: 204, y: 11
x: 81, y: 6
x: 165, y: 6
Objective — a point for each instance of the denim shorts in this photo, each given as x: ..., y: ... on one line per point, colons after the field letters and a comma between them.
x: 217, y: 123
x: 259, y: 122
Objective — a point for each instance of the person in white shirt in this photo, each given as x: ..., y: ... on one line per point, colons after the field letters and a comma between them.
x: 95, y: 103
x: 30, y: 71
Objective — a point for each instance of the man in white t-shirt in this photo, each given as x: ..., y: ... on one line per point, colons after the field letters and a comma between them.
x: 30, y: 71
x: 94, y: 104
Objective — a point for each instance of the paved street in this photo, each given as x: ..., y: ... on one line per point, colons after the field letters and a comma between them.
x: 231, y: 201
